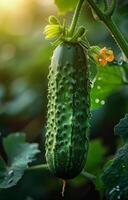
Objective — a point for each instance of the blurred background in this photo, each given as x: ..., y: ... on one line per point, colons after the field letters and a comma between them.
x: 24, y: 60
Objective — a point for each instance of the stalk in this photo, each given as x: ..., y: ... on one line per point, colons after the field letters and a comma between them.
x: 75, y: 17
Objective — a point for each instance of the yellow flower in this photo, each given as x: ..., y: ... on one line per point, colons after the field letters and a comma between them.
x: 52, y: 31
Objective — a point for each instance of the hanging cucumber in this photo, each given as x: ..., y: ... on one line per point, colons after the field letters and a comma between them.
x: 68, y: 111
x: 68, y: 100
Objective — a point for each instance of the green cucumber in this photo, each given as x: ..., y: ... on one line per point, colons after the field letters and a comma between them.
x: 68, y: 111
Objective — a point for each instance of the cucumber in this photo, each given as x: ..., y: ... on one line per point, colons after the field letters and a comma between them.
x: 68, y: 111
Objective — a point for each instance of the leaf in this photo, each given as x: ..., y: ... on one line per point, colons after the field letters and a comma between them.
x: 121, y: 129
x: 65, y: 5
x: 115, y: 176
x: 93, y: 70
x: 108, y: 80
x: 19, y: 154
x: 95, y: 160
x: 95, y: 155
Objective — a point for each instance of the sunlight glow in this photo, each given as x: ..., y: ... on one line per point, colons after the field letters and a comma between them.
x: 9, y: 4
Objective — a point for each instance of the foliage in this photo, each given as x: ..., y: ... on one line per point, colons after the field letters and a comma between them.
x: 24, y: 57
x: 115, y: 175
x: 108, y: 79
x: 19, y: 155
x: 121, y: 129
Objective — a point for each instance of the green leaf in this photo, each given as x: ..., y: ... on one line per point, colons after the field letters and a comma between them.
x: 65, y: 5
x: 115, y: 176
x: 93, y: 71
x: 19, y: 154
x: 95, y: 155
x: 108, y: 80
x: 95, y: 161
x: 121, y: 129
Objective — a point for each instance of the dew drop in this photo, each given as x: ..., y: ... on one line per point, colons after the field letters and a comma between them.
x: 111, y: 191
x: 10, y: 181
x: 97, y: 100
x: 98, y: 87
x: 99, y: 78
x: 11, y: 173
x: 102, y: 102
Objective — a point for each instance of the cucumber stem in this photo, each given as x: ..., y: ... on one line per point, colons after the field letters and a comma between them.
x: 75, y: 18
x: 63, y: 188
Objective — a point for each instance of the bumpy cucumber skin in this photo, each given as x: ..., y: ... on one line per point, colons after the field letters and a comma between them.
x: 68, y: 111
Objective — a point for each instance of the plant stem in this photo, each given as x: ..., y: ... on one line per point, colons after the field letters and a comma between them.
x: 38, y: 167
x: 118, y: 36
x: 88, y: 175
x: 105, y: 4
x: 45, y: 167
x: 75, y: 17
x: 116, y: 33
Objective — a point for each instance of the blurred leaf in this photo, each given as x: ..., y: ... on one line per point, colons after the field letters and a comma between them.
x: 95, y: 160
x: 108, y: 80
x: 115, y: 176
x: 19, y: 154
x: 121, y: 129
x: 65, y: 5
x: 95, y: 155
x: 93, y: 70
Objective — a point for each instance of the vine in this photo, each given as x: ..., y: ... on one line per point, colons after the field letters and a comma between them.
x: 106, y: 18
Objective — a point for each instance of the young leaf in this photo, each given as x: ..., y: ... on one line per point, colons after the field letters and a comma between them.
x: 19, y: 154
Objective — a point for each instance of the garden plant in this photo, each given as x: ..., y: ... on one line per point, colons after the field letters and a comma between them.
x: 81, y: 77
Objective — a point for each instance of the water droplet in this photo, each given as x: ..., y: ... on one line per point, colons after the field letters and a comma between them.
x: 10, y: 181
x: 98, y: 87
x: 111, y: 191
x: 97, y: 100
x: 102, y: 102
x: 99, y: 78
x: 11, y: 173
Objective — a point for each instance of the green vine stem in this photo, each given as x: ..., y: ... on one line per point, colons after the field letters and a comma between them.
x: 88, y: 175
x: 105, y: 4
x: 75, y: 17
x: 44, y: 167
x: 38, y: 167
x: 111, y: 8
x: 108, y: 21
